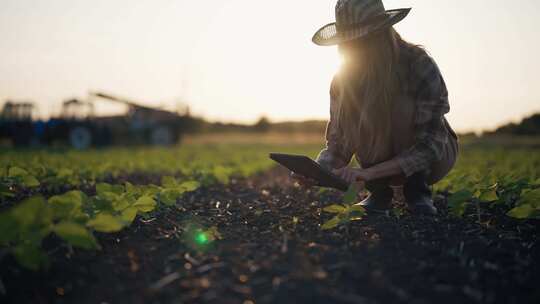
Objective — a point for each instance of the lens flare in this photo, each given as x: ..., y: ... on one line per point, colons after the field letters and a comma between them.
x: 201, y: 238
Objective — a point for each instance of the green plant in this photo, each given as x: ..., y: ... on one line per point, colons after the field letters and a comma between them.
x: 74, y: 217
x: 173, y: 189
x: 345, y: 212
x: 494, y: 179
x: 26, y: 225
x: 527, y: 206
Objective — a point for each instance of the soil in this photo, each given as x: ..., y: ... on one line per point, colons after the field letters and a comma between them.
x: 272, y: 250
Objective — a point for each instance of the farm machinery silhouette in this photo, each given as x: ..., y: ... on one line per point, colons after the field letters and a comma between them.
x: 78, y: 126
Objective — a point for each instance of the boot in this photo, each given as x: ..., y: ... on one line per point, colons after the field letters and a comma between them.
x: 380, y: 197
x: 418, y: 195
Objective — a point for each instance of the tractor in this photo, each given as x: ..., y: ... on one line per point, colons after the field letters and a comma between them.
x: 78, y: 126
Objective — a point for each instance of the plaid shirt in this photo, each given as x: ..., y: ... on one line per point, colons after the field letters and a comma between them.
x: 426, y: 85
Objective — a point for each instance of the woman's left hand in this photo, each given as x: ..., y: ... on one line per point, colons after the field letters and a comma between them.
x: 352, y: 175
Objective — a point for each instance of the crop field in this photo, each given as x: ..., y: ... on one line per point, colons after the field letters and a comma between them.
x: 221, y: 223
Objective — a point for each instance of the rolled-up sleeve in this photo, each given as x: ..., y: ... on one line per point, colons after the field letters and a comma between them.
x: 431, y: 135
x: 335, y: 154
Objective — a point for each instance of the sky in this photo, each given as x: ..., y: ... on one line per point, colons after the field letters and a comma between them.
x: 235, y: 60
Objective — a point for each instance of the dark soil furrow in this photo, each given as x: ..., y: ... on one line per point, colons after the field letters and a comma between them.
x: 265, y: 256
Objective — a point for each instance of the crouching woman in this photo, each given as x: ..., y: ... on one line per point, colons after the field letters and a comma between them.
x: 387, y: 107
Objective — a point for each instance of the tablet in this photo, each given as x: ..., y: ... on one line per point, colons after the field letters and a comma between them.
x: 307, y: 167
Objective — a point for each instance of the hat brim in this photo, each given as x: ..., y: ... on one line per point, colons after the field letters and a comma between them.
x: 329, y: 35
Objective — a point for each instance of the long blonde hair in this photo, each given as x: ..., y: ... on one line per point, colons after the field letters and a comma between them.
x: 367, y: 85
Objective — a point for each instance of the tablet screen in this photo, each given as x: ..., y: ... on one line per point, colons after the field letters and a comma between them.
x: 307, y: 167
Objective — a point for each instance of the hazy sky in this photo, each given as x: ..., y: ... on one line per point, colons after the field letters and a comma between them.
x: 239, y: 59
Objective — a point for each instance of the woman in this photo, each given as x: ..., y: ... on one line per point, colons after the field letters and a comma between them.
x: 387, y: 106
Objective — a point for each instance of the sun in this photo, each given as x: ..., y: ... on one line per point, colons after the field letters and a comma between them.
x: 334, y: 60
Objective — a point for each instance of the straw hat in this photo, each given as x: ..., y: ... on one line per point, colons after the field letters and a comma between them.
x: 357, y: 18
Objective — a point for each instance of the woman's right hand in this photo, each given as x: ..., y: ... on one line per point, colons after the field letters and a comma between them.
x: 305, y: 182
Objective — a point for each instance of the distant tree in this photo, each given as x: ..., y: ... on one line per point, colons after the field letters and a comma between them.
x: 529, y: 126
x: 263, y: 125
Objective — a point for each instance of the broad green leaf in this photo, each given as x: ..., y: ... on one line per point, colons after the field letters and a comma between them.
x: 118, y: 189
x: 351, y: 195
x: 332, y: 223
x: 120, y: 203
x: 34, y: 233
x: 30, y: 256
x: 31, y: 212
x: 70, y: 198
x: 530, y: 197
x: 109, y: 196
x: 67, y: 205
x: 190, y: 186
x: 17, y: 172
x: 442, y: 185
x: 105, y: 222
x: 149, y: 190
x: 489, y: 195
x: 30, y: 181
x: 128, y: 215
x: 25, y: 178
x: 222, y: 174
x: 8, y: 228
x: 77, y: 235
x: 145, y: 204
x: 522, y: 212
x: 462, y: 181
x: 130, y: 188
x: 168, y: 182
x: 99, y: 205
x: 169, y: 196
x: 64, y: 173
x: 358, y: 209
x: 489, y: 180
x: 335, y: 209
x: 103, y: 188
x: 457, y: 202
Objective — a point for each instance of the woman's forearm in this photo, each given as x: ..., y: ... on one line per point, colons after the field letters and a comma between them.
x: 385, y: 169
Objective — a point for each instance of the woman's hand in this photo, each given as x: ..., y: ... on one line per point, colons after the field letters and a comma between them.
x: 352, y: 175
x: 303, y: 181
